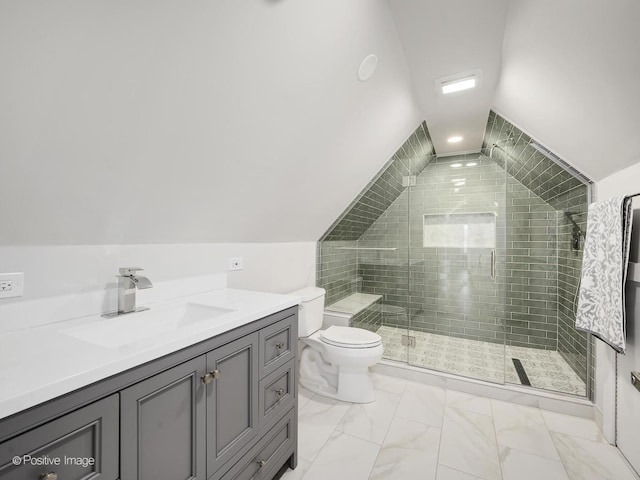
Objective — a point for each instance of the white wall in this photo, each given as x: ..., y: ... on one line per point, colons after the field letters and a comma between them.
x: 67, y: 270
x: 63, y: 282
x: 625, y: 182
x: 162, y: 121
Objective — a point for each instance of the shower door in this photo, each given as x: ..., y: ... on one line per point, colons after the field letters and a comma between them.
x: 456, y: 304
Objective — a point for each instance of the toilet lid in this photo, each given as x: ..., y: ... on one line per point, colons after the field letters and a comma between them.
x: 350, y: 337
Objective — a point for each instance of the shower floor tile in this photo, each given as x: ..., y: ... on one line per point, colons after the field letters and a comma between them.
x: 545, y: 369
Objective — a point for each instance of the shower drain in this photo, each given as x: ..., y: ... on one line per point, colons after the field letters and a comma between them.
x: 522, y: 375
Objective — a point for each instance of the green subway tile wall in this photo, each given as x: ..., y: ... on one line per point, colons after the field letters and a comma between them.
x: 562, y: 189
x: 445, y: 290
x: 337, y: 269
x: 532, y: 266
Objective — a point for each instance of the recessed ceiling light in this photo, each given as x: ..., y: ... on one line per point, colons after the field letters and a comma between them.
x: 458, y: 184
x: 458, y: 179
x: 472, y: 164
x: 454, y: 139
x: 458, y: 85
x: 456, y: 165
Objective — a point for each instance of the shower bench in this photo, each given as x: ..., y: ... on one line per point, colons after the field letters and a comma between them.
x: 360, y: 310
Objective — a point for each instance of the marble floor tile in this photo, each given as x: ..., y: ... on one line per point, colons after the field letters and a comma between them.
x: 518, y: 465
x: 410, y: 451
x: 385, y: 383
x: 370, y: 421
x: 522, y: 428
x: 468, y: 444
x: 422, y: 403
x: 587, y: 460
x: 304, y: 396
x: 575, y: 426
x: 446, y: 473
x: 446, y: 435
x: 467, y: 401
x: 345, y: 457
x: 316, y: 422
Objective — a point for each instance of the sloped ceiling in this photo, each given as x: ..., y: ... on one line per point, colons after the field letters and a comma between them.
x: 570, y: 78
x: 450, y: 37
x: 162, y: 121
x: 159, y: 121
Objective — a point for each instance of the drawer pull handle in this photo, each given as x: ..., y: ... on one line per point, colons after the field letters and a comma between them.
x: 261, y: 463
x: 49, y: 476
x: 280, y: 391
x: 210, y: 377
x: 280, y: 345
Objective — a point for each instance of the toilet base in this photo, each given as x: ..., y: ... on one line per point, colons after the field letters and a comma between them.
x: 347, y: 384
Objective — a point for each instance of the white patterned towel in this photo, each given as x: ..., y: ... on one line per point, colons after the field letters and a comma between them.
x: 604, y: 271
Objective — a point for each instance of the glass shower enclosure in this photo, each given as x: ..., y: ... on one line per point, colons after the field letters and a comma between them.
x: 467, y: 264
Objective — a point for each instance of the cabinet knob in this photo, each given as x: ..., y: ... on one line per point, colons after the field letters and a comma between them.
x: 261, y: 463
x: 280, y: 345
x: 49, y: 476
x: 210, y: 377
x: 280, y: 391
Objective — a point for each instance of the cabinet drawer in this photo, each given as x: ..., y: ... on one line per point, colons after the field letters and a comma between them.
x: 263, y: 461
x: 82, y: 444
x: 276, y: 346
x: 276, y: 393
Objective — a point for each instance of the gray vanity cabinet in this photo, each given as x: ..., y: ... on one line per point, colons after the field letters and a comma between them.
x: 163, y: 425
x: 221, y: 409
x: 77, y: 446
x: 232, y: 399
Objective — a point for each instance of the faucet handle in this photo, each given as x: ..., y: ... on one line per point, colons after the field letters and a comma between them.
x: 125, y: 271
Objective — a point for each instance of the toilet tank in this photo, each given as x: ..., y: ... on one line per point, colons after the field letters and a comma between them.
x: 311, y: 310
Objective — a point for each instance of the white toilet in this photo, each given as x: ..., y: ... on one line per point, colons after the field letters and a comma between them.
x: 334, y: 362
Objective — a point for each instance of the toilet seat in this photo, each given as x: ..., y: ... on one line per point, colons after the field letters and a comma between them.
x: 350, y: 337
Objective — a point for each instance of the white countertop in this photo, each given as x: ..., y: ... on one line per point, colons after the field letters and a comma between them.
x: 41, y: 363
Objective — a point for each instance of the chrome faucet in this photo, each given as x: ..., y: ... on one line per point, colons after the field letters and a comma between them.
x: 128, y: 283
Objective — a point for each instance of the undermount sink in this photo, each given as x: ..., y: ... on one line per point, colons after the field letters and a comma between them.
x: 123, y: 330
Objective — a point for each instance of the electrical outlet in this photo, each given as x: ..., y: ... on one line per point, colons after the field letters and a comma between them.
x: 11, y: 285
x: 235, y: 263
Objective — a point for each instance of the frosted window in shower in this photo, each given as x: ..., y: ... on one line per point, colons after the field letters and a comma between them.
x: 460, y: 230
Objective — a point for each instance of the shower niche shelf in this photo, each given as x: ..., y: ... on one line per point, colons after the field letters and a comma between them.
x: 460, y: 230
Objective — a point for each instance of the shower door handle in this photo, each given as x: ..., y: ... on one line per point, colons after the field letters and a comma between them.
x: 493, y: 264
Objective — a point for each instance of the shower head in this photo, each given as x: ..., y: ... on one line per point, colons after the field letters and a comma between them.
x: 577, y: 231
x: 506, y: 142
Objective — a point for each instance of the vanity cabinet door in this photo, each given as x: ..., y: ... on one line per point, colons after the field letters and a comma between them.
x: 163, y: 425
x: 80, y: 445
x: 232, y: 399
